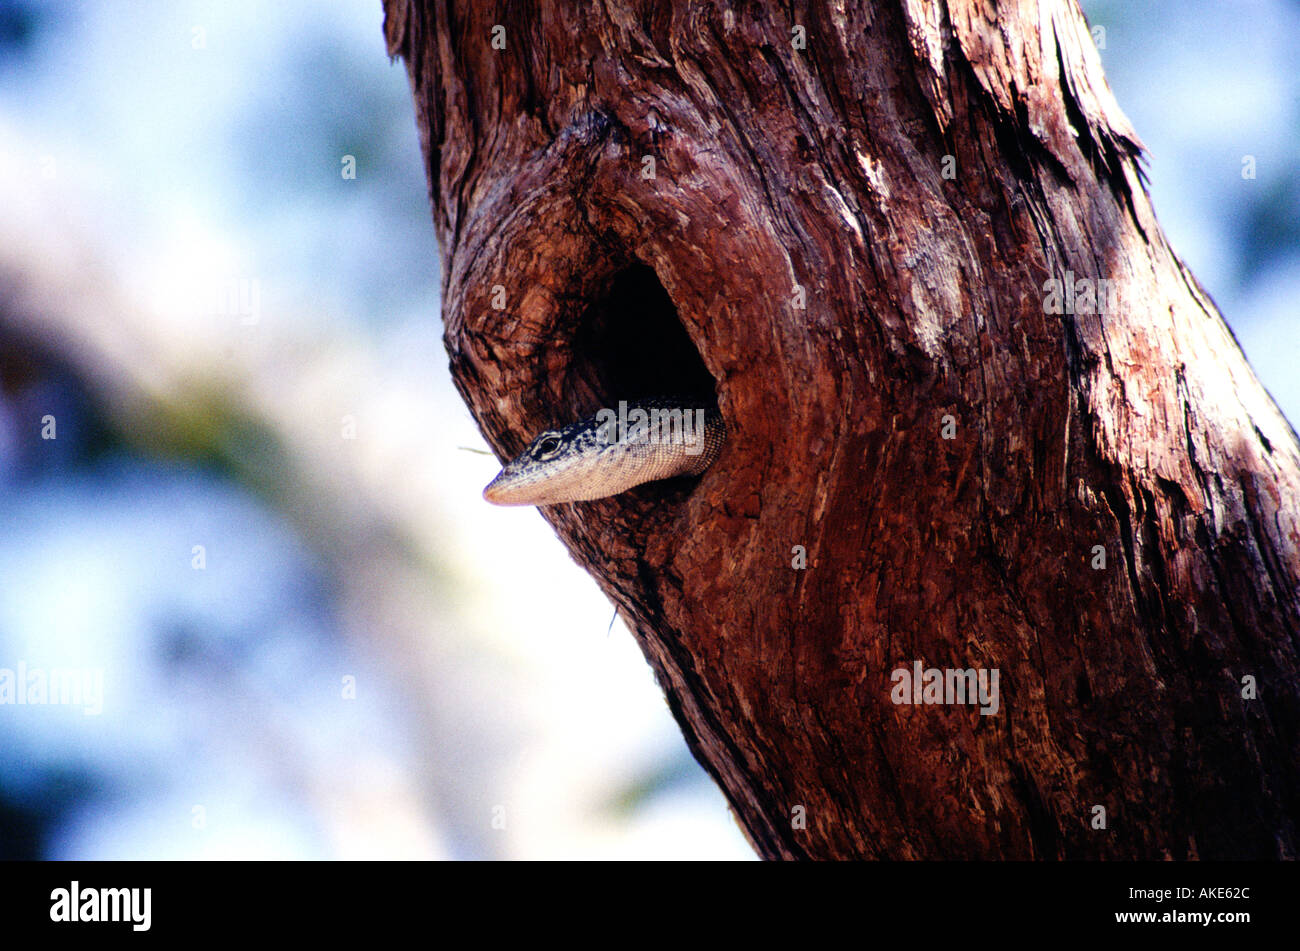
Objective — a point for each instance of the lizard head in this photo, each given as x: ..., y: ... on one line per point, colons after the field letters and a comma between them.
x: 559, y: 465
x: 610, y: 453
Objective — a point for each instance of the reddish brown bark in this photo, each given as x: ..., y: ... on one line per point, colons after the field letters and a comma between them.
x: 1143, y: 430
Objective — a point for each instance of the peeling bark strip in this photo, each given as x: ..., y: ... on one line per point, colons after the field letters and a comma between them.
x: 924, y: 466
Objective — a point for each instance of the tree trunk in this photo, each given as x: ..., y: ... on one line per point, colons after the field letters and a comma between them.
x: 844, y: 223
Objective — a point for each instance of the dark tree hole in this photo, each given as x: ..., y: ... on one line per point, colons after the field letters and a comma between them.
x: 631, y: 344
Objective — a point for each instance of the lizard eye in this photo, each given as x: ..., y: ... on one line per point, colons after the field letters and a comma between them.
x: 547, y: 446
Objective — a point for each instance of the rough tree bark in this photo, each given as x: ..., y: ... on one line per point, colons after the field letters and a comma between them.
x: 800, y: 255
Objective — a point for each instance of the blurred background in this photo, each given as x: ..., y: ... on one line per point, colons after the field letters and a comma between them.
x: 251, y: 603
